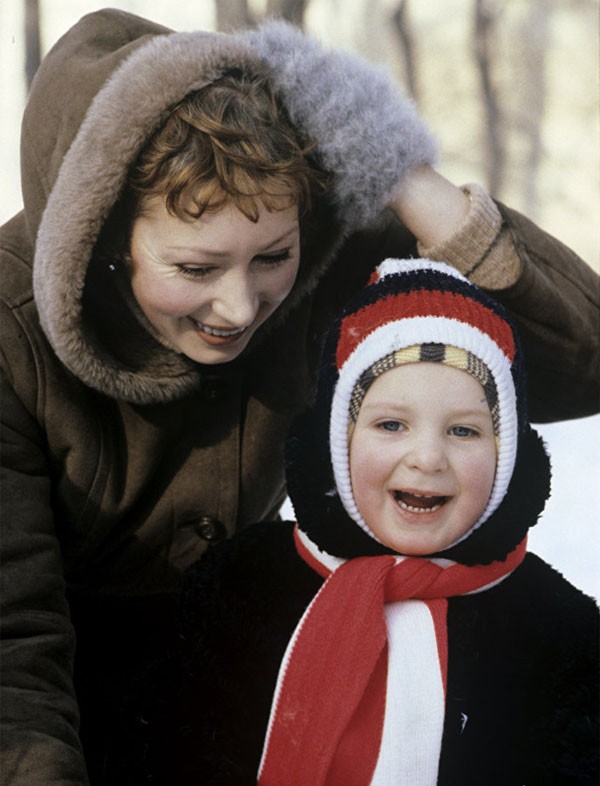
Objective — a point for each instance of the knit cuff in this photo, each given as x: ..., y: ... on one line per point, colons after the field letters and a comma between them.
x: 481, y: 248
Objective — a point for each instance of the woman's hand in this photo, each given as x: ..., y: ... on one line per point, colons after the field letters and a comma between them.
x: 429, y: 205
x: 368, y: 132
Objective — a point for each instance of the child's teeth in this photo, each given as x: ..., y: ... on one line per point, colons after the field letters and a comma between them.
x: 432, y: 503
x: 418, y: 510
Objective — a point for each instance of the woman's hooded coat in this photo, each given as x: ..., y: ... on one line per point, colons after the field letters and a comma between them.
x: 123, y: 460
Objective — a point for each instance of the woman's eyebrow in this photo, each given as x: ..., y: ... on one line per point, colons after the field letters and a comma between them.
x: 291, y: 231
x: 219, y: 254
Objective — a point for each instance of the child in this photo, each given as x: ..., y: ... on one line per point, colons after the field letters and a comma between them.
x: 399, y: 633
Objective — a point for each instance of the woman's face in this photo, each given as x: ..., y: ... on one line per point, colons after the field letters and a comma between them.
x: 207, y: 285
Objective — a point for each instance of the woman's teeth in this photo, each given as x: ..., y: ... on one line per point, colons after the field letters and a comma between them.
x: 218, y: 332
x: 419, y: 503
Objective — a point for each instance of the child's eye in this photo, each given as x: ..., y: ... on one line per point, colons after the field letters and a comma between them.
x: 463, y: 431
x: 390, y: 425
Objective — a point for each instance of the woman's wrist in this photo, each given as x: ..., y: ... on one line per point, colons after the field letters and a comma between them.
x: 429, y: 205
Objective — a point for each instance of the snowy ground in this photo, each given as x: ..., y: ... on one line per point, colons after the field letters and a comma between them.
x: 567, y: 535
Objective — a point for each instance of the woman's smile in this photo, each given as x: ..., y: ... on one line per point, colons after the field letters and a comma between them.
x: 218, y: 336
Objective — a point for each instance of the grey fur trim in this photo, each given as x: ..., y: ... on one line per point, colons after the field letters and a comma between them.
x: 368, y: 131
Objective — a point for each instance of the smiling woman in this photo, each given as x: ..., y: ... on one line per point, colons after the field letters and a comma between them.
x: 216, y: 197
x: 206, y: 286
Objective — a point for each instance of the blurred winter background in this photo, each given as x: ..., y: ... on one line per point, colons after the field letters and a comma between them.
x: 511, y: 89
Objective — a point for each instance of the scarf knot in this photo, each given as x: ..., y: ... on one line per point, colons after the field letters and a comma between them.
x: 412, y: 578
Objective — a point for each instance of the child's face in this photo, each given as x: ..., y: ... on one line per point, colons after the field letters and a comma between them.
x: 422, y: 457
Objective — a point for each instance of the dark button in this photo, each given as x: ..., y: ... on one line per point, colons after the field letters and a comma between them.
x: 210, y: 529
x: 213, y: 389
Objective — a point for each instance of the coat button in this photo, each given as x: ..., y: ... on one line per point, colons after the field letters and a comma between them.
x: 210, y: 529
x: 213, y: 389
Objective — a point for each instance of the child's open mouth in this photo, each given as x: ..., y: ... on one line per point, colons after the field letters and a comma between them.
x: 419, y: 503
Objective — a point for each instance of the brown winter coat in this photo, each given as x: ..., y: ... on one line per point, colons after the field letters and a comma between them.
x: 122, y: 460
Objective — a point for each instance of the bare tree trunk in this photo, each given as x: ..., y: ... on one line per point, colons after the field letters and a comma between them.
x: 292, y: 10
x: 232, y: 14
x: 486, y: 14
x: 32, y: 39
x: 403, y: 28
x: 535, y: 37
x: 235, y: 14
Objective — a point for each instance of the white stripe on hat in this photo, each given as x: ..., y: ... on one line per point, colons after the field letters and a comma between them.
x: 394, y: 267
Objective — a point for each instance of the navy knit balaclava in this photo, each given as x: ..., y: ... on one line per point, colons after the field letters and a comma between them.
x: 415, y: 310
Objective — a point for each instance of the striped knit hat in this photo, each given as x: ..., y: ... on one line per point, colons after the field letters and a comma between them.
x: 414, y: 310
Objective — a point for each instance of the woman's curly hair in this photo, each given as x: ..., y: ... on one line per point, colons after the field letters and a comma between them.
x: 230, y: 141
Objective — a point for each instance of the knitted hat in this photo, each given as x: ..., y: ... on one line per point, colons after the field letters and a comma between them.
x: 411, y: 311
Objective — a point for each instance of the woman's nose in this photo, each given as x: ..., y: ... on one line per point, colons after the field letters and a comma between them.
x: 236, y: 301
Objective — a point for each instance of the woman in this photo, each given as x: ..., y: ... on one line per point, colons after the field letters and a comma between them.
x: 152, y: 368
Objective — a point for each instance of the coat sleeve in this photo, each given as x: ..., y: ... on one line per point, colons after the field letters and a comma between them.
x: 556, y: 302
x: 39, y: 715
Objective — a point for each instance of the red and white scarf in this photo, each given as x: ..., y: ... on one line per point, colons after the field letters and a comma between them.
x: 360, y: 695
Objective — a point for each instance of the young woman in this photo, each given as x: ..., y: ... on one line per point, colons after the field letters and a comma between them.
x: 195, y: 207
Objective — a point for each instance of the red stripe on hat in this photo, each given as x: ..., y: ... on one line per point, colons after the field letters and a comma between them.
x: 422, y: 303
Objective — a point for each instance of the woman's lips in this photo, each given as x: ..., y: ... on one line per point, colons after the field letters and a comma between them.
x: 218, y: 336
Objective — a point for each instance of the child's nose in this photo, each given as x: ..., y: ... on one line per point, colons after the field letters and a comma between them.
x: 427, y: 454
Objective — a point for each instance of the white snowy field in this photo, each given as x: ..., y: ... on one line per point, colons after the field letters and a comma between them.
x: 567, y: 535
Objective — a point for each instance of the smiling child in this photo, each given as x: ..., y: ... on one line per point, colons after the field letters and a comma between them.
x: 399, y: 632
x: 422, y: 457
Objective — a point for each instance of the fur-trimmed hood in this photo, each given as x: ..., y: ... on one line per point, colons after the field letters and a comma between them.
x: 103, y: 90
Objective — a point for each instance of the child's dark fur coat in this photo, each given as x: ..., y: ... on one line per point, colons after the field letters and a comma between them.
x: 520, y: 706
